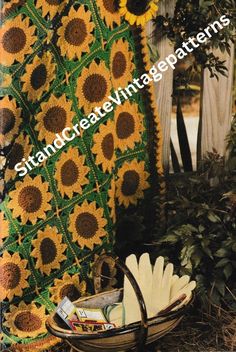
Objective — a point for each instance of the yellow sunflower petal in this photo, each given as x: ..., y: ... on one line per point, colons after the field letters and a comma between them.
x: 13, y: 275
x: 87, y: 225
x: 154, y: 6
x: 30, y: 200
x: 123, y: 11
x: 132, y: 181
x: 71, y: 172
x: 143, y: 20
x: 4, y: 228
x: 123, y: 3
x: 51, y: 7
x: 26, y: 320
x: 148, y: 17
x: 8, y: 5
x: 16, y: 40
x: 139, y: 20
x: 132, y: 19
x: 48, y: 250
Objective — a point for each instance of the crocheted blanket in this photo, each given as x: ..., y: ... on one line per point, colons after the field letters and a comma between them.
x: 59, y: 61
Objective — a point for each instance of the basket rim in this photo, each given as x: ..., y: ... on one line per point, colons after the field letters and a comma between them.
x: 159, y: 319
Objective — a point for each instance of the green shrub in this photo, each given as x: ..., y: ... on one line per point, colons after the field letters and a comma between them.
x: 201, y: 228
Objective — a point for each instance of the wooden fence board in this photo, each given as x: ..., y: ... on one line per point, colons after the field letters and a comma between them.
x: 217, y: 107
x: 164, y: 88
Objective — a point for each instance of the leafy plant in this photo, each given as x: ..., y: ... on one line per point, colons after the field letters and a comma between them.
x: 201, y: 231
x: 190, y: 18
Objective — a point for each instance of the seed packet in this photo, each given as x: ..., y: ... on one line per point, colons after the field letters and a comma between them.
x: 83, y: 319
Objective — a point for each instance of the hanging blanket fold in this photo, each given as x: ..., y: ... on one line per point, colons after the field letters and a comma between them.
x: 76, y: 151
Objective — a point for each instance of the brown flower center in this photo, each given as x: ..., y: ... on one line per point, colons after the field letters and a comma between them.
x: 55, y: 119
x: 9, y: 276
x: 137, y: 7
x: 69, y: 173
x: 54, y: 2
x: 110, y: 6
x: 76, y: 32
x: 13, y: 7
x: 14, y: 40
x: 7, y: 120
x: 86, y: 225
x: 30, y: 199
x: 15, y: 156
x: 38, y: 77
x: 48, y: 251
x: 95, y: 88
x: 27, y: 321
x: 119, y: 65
x: 125, y: 125
x: 130, y: 183
x: 70, y: 291
x: 108, y: 146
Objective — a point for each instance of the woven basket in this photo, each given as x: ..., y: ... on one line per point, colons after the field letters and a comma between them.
x: 134, y: 336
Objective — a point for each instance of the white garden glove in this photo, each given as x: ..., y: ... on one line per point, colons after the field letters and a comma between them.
x: 161, y: 285
x: 130, y: 302
x: 145, y: 281
x: 160, y: 288
x: 157, y: 285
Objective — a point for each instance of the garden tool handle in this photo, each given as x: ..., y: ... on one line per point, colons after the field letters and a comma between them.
x: 98, y: 288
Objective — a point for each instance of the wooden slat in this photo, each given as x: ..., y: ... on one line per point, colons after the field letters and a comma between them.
x: 164, y: 88
x: 217, y: 107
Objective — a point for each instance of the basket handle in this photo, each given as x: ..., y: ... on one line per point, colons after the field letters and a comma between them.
x: 98, y: 288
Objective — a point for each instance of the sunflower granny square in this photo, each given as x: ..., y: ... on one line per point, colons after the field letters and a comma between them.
x: 59, y: 60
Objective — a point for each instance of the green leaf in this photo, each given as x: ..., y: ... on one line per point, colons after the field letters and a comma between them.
x: 196, y: 258
x: 222, y: 263
x: 213, y: 217
x: 221, y: 253
x: 206, y: 249
x: 220, y: 285
x: 171, y: 238
x: 228, y: 271
x: 201, y: 228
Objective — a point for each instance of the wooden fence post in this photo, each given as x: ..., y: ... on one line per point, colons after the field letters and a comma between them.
x: 164, y: 88
x: 217, y: 107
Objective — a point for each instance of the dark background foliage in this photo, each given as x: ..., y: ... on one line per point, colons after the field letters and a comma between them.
x: 190, y: 18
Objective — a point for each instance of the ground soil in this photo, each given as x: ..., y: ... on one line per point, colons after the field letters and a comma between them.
x: 198, y: 332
